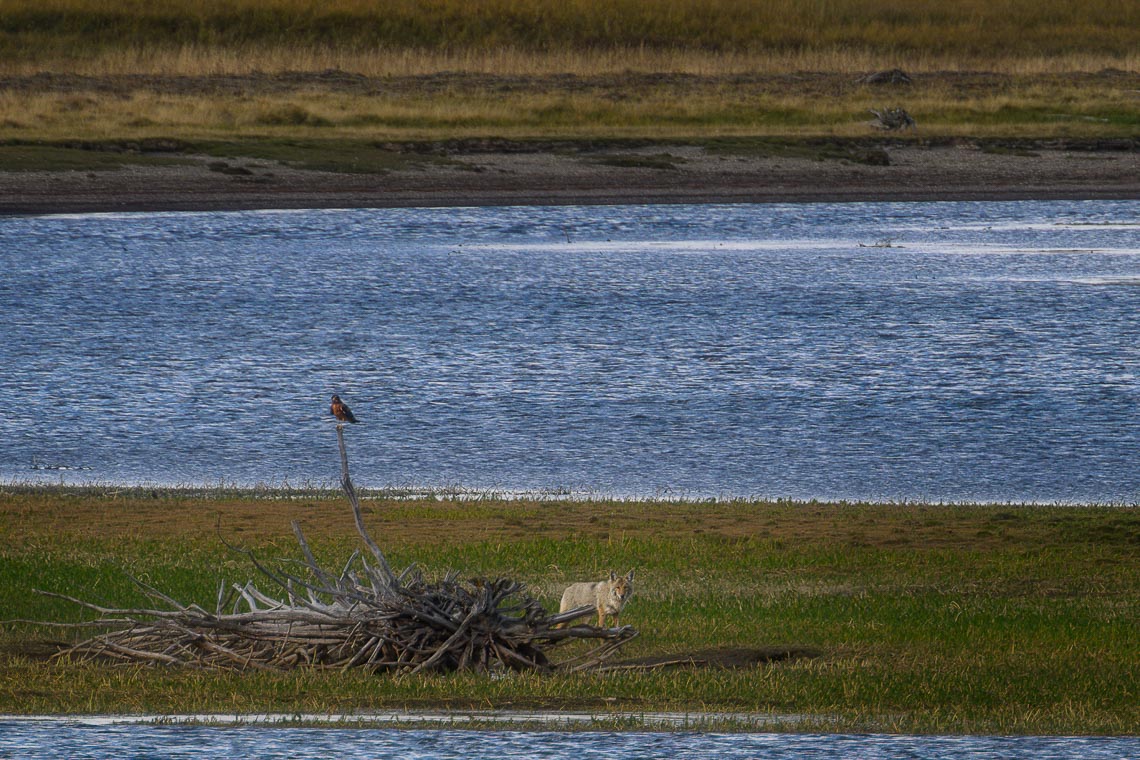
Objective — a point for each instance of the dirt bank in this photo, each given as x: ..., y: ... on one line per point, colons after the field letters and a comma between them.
x: 350, y: 169
x: 499, y: 173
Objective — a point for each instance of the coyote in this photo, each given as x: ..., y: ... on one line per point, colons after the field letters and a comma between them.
x: 607, y: 597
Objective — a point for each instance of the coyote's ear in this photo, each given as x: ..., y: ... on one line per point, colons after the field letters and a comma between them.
x: 630, y: 576
x: 613, y: 575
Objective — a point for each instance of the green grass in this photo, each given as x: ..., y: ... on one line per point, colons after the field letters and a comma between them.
x: 344, y: 156
x: 369, y: 157
x: 20, y: 157
x: 925, y: 619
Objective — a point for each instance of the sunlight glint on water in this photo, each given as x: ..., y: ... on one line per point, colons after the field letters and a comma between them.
x: 952, y: 351
x: 53, y: 738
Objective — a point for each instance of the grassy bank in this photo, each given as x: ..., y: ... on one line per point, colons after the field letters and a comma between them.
x: 340, y: 108
x: 919, y: 618
x: 50, y: 30
x: 686, y: 70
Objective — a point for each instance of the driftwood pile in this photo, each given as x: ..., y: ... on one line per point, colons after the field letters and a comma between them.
x: 365, y: 616
x: 892, y: 118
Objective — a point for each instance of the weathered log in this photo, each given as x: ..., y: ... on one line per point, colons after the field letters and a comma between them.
x: 891, y: 76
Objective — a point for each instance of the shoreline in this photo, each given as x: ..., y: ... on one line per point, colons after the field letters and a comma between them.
x: 285, y: 493
x: 503, y: 175
x: 518, y: 720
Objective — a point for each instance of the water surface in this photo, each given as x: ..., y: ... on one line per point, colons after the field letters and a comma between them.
x: 945, y: 351
x: 30, y: 740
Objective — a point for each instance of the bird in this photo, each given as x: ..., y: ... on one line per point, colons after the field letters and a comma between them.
x: 340, y: 410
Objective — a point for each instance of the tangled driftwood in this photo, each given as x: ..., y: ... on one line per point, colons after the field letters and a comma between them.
x: 365, y: 616
x: 892, y: 118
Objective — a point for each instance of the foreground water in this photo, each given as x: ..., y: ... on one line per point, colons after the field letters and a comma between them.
x: 26, y: 740
x: 947, y: 351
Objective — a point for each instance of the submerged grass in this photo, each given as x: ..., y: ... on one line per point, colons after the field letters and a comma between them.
x: 922, y: 618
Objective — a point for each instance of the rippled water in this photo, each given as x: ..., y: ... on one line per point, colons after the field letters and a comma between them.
x: 949, y: 351
x: 26, y: 740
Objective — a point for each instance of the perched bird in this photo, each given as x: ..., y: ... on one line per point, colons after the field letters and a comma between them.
x: 341, y: 411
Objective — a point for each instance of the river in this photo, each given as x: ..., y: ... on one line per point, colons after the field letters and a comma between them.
x: 884, y: 351
x: 106, y: 739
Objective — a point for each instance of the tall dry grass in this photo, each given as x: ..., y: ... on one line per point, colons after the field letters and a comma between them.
x: 524, y: 38
x: 204, y: 60
x: 658, y: 107
x: 582, y: 36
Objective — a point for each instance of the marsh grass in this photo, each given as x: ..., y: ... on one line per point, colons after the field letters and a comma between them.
x: 239, y: 158
x: 39, y: 157
x: 533, y: 54
x: 949, y: 619
x: 345, y: 156
x: 271, y: 32
x: 199, y: 60
x: 673, y: 107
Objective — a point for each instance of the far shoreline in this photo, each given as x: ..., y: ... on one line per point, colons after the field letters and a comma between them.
x: 656, y: 174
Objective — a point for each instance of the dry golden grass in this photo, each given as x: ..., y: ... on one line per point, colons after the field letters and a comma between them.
x: 406, y: 37
x: 721, y: 43
x: 445, y: 106
x: 200, y: 60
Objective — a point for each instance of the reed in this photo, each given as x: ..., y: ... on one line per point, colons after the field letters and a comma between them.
x: 1001, y: 619
x: 197, y: 59
x: 488, y: 34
